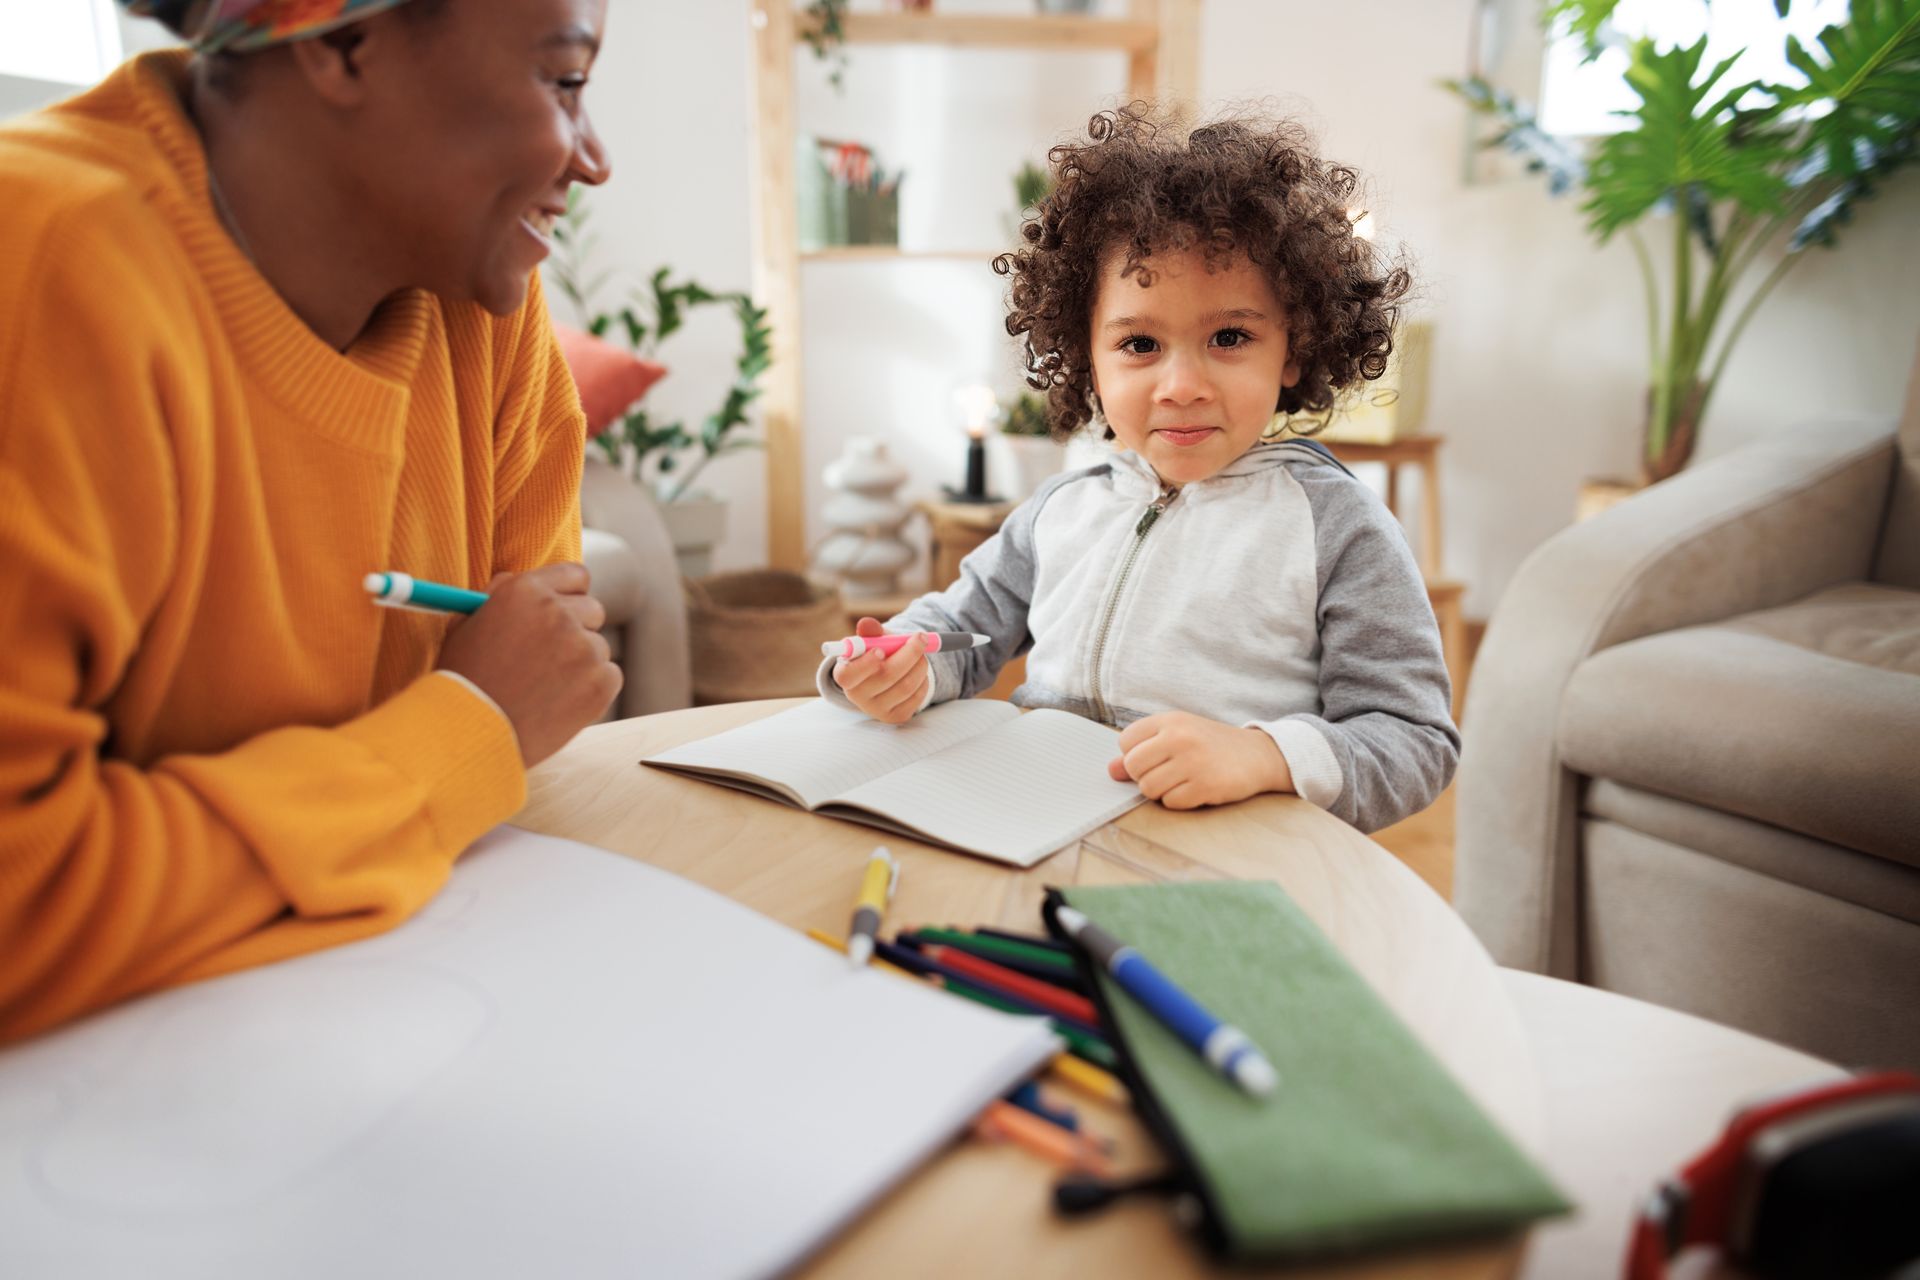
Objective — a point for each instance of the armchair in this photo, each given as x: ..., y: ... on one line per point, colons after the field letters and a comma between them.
x: 1692, y: 760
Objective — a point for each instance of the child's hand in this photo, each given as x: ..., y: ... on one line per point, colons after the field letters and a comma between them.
x: 1185, y: 761
x: 887, y: 687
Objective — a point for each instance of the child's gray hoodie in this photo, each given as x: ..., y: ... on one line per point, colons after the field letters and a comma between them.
x: 1279, y: 594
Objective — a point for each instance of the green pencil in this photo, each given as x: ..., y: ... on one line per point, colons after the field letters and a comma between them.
x: 993, y: 948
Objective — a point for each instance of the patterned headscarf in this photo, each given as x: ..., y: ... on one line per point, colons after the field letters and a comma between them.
x: 241, y: 26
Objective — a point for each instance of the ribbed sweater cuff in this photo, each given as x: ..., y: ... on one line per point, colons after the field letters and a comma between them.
x: 457, y: 746
x: 1315, y: 769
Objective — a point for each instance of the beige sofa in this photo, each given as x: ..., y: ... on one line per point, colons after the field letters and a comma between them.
x: 1692, y: 760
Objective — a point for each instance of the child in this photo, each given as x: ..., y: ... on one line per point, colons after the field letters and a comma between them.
x: 1243, y: 609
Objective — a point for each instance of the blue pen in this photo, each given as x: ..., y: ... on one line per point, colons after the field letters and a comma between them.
x: 1227, y: 1049
x: 400, y: 591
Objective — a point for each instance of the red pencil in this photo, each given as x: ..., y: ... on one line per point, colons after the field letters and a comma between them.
x: 1044, y: 994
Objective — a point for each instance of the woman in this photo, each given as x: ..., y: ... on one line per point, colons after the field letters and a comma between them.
x: 265, y: 327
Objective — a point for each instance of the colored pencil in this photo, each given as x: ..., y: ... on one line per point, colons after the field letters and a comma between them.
x: 826, y: 939
x: 1051, y: 998
x: 1004, y: 1121
x: 1089, y: 1079
x: 1027, y: 1097
x: 1068, y: 980
x: 996, y: 949
x: 1030, y: 939
x: 920, y: 963
x: 1090, y: 1049
x: 1095, y: 1054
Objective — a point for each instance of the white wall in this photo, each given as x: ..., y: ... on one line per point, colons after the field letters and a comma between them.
x: 1539, y: 366
x: 669, y: 97
x: 1539, y: 362
x: 1538, y: 371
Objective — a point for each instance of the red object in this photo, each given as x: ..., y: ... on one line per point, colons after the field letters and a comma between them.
x: 610, y: 378
x: 1696, y: 1206
x: 1044, y: 994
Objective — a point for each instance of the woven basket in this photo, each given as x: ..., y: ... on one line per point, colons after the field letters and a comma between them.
x: 757, y: 634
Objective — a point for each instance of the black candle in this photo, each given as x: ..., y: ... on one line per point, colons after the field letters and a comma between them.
x: 976, y: 468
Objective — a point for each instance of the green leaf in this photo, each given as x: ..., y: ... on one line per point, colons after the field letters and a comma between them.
x: 1683, y: 147
x: 1521, y: 134
x: 636, y: 329
x: 655, y: 314
x: 1588, y: 21
x: 1821, y: 224
x: 1863, y: 83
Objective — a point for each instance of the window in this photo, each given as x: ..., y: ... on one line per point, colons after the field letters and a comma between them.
x: 1578, y: 100
x: 73, y: 42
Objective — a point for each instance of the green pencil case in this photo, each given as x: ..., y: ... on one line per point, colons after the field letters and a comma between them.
x: 1366, y: 1143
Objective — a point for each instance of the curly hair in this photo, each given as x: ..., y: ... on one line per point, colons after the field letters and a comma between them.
x: 1234, y: 186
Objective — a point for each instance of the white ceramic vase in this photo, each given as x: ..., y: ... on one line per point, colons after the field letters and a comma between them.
x: 1017, y: 465
x: 696, y: 523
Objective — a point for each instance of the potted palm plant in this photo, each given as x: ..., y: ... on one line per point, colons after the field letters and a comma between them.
x: 666, y: 457
x: 1742, y: 178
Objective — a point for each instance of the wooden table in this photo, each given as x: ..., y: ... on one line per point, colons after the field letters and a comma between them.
x: 980, y: 1210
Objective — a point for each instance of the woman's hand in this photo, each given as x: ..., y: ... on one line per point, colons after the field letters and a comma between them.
x: 1185, y: 761
x: 535, y: 647
x: 888, y: 687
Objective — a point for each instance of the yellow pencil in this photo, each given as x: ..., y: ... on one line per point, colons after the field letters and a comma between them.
x: 1089, y: 1079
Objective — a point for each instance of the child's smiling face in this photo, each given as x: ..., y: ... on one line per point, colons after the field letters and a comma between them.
x: 1189, y: 371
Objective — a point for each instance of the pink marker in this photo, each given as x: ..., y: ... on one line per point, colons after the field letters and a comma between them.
x: 854, y: 646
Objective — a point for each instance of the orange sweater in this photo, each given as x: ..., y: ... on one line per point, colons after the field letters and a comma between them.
x: 214, y: 751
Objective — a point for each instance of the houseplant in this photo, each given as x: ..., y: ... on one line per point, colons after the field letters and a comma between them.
x: 822, y: 29
x: 1732, y: 169
x: 1023, y: 452
x: 665, y: 457
x: 1031, y: 185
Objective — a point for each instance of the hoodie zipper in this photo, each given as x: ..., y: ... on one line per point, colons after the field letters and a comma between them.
x: 1140, y: 531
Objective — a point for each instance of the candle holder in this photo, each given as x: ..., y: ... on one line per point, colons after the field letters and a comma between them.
x: 978, y: 405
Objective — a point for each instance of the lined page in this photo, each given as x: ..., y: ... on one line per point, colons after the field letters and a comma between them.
x: 818, y: 750
x: 1017, y: 794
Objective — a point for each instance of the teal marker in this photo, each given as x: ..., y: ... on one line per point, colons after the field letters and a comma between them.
x: 399, y: 591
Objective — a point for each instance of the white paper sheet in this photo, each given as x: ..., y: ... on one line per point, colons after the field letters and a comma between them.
x: 570, y: 1064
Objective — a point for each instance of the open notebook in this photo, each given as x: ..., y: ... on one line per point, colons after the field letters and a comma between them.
x: 975, y: 775
x: 568, y: 1064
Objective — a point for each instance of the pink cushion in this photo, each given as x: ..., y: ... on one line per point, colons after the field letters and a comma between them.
x: 610, y: 378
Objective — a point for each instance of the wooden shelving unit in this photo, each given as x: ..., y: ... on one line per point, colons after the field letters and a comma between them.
x: 1161, y: 41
